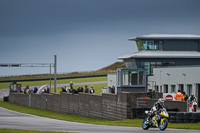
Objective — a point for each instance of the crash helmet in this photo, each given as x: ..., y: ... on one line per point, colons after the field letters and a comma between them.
x: 160, y: 100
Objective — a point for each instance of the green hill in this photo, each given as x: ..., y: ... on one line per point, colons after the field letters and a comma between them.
x: 109, y: 69
x: 113, y: 67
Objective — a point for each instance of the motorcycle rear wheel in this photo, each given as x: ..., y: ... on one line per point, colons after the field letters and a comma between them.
x: 163, y: 125
x: 195, y: 108
x: 145, y: 124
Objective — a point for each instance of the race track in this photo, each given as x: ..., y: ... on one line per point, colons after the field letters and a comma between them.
x: 14, y: 120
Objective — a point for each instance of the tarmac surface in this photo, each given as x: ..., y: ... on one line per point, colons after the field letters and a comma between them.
x: 14, y: 120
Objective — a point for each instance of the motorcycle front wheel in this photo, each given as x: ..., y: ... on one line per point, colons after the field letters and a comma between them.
x: 163, y: 124
x: 145, y: 124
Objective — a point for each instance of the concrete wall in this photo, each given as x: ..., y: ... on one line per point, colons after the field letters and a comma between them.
x: 105, y: 106
x: 180, y: 105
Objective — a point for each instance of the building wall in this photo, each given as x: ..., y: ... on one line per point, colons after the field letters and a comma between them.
x: 176, y: 76
x: 112, y: 80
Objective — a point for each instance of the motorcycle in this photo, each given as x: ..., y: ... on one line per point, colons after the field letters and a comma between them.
x: 194, y: 104
x: 160, y: 119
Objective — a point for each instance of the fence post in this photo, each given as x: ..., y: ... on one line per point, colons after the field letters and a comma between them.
x: 29, y: 100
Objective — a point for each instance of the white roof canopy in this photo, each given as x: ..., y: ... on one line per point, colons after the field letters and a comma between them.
x: 166, y: 36
x: 162, y: 54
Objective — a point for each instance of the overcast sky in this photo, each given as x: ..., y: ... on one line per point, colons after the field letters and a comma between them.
x: 85, y: 34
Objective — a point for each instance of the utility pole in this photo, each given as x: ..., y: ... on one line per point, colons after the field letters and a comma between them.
x: 50, y: 79
x: 55, y: 73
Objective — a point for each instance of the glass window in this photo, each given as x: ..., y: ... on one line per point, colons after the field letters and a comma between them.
x: 125, y: 78
x: 152, y: 45
x: 131, y: 64
x: 168, y: 63
x: 145, y: 45
x: 141, y: 77
x: 165, y: 88
x: 131, y: 77
x: 148, y: 66
x: 156, y: 88
x: 173, y: 88
x: 181, y: 87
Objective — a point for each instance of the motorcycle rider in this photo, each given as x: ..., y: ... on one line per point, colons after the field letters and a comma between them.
x: 156, y: 108
x: 191, y: 98
x: 192, y: 101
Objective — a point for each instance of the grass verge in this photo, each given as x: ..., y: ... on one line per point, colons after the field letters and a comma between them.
x: 68, y: 117
x: 82, y: 119
x: 63, y: 81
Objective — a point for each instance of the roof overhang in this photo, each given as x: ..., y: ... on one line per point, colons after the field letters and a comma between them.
x: 161, y: 54
x: 166, y: 37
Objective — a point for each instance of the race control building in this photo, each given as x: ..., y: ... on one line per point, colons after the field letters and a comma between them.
x: 163, y: 63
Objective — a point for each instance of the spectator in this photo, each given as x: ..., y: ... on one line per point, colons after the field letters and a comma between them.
x: 29, y: 91
x: 71, y: 84
x: 63, y: 90
x: 27, y: 87
x: 113, y: 89
x: 32, y: 90
x: 74, y: 91
x: 185, y: 96
x: 92, y: 90
x: 48, y: 90
x: 44, y: 90
x: 179, y: 96
x: 81, y: 89
x: 67, y: 89
x: 70, y: 89
x: 24, y: 90
x: 86, y: 89
x: 35, y: 90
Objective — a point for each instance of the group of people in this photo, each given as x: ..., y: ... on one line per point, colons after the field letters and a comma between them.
x: 183, y: 97
x: 28, y: 90
x: 79, y: 89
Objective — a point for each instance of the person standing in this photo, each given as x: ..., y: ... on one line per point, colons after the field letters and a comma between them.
x: 185, y: 96
x: 81, y: 89
x: 86, y: 89
x: 179, y: 96
x: 92, y: 90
